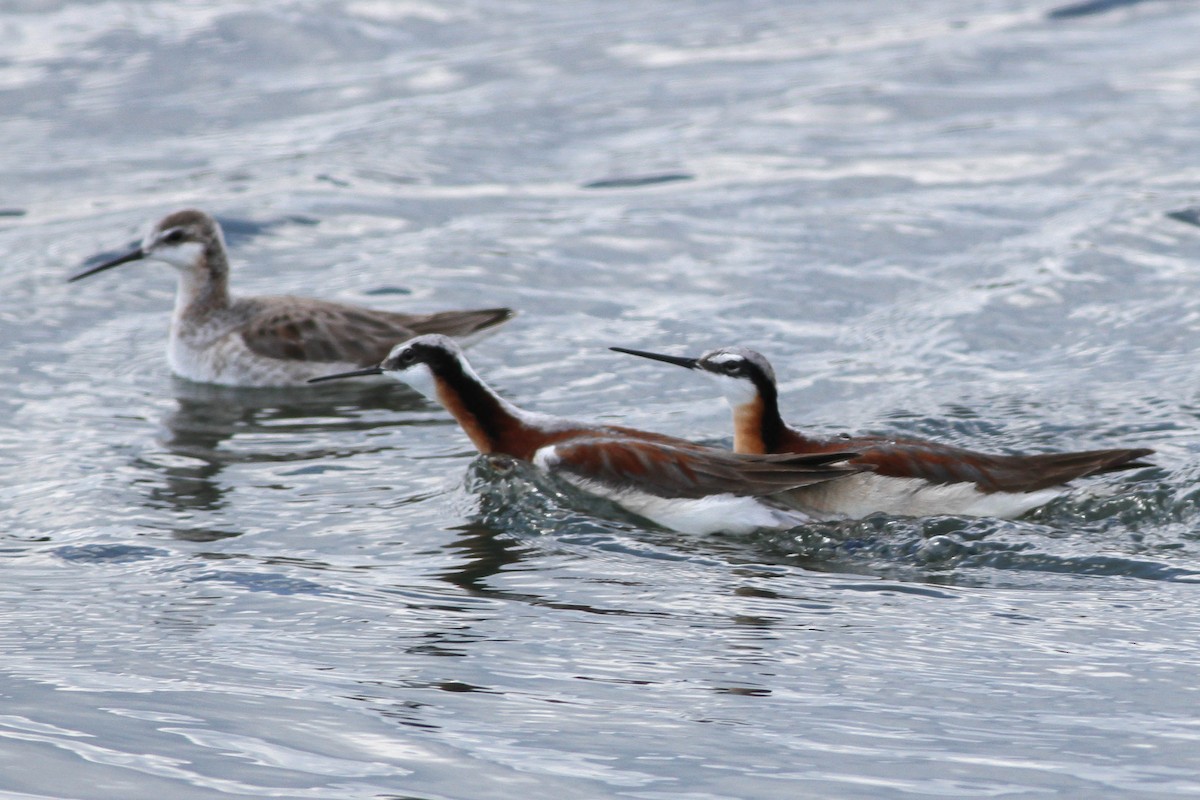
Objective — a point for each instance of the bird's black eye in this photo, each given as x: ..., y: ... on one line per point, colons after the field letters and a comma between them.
x: 732, y: 367
x: 402, y: 360
x: 173, y: 236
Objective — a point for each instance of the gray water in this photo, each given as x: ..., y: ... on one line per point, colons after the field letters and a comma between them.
x: 971, y: 221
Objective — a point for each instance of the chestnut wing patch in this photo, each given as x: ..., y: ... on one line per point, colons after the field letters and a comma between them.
x: 694, y: 471
x: 944, y: 464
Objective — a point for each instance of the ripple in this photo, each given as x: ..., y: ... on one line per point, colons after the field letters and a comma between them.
x: 261, y: 582
x: 1088, y: 8
x: 107, y: 553
x: 927, y: 214
x: 637, y: 181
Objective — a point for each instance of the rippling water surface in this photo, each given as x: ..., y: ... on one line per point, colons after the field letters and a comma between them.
x: 972, y: 221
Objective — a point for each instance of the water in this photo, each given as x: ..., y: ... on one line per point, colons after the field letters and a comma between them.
x: 968, y: 221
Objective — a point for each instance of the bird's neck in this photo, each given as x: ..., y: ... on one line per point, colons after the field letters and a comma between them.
x: 204, y: 288
x: 493, y: 424
x: 757, y: 426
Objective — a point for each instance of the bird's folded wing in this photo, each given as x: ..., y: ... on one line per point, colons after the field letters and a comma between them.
x: 944, y: 464
x: 311, y: 330
x: 693, y: 472
x: 306, y: 330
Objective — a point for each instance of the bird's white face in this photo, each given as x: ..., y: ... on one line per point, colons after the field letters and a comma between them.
x: 175, y: 247
x: 420, y: 377
x: 737, y: 390
x: 727, y: 371
x: 407, y: 364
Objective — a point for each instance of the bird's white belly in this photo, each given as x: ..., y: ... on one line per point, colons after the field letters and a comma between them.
x: 865, y: 493
x: 224, y: 358
x: 718, y: 513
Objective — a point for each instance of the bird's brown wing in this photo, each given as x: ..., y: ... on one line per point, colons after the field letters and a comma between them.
x: 301, y: 329
x: 946, y: 464
x: 694, y: 471
x: 457, y: 323
x: 1028, y: 473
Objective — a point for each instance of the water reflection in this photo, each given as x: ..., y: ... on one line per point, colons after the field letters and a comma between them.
x: 215, y: 427
x: 486, y: 551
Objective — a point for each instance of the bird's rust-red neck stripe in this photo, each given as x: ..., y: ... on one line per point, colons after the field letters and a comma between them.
x: 493, y: 425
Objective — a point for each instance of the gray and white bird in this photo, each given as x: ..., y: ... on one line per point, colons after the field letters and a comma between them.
x: 283, y: 340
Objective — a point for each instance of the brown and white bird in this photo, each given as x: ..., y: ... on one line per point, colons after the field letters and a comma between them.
x: 672, y: 482
x: 276, y: 340
x: 912, y: 477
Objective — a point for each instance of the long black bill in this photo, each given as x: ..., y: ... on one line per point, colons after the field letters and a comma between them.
x: 133, y: 255
x: 358, y: 373
x: 679, y: 361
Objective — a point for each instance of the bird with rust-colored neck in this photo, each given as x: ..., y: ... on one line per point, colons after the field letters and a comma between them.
x: 270, y: 341
x: 672, y: 482
x: 911, y: 477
